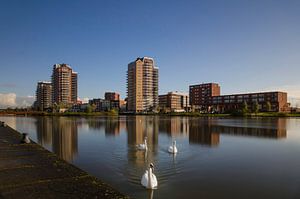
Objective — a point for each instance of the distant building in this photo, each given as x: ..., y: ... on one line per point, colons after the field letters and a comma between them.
x: 206, y: 97
x: 174, y: 101
x: 199, y: 94
x: 43, y: 95
x: 102, y: 104
x: 112, y: 96
x: 122, y: 105
x: 64, y: 84
x: 142, y: 85
x: 277, y: 101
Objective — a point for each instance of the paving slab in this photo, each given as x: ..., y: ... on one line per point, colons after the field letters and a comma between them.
x: 30, y: 171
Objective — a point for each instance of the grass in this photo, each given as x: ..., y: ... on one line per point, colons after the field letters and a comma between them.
x: 189, y: 114
x: 40, y: 113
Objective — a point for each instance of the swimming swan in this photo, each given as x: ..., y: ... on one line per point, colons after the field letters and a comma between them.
x: 149, y: 179
x: 143, y: 146
x: 173, y: 148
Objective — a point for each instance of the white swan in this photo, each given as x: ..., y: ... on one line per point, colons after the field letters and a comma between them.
x: 173, y: 148
x: 143, y: 146
x: 149, y: 179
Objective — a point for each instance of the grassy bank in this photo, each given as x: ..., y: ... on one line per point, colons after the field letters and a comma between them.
x: 197, y: 114
x: 39, y: 113
x: 270, y: 114
x: 189, y: 114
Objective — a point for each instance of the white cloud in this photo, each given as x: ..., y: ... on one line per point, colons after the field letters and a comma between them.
x: 84, y: 100
x: 7, y: 100
x: 12, y: 100
x: 25, y: 101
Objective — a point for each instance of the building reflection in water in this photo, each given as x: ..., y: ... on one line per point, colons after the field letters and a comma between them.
x: 138, y: 128
x: 208, y: 132
x: 65, y: 138
x: 201, y: 132
x: 44, y: 130
x: 62, y: 133
x: 174, y: 126
x: 112, y: 126
x: 276, y: 128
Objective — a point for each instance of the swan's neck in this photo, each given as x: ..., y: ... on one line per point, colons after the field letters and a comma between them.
x: 150, y: 183
x: 174, y: 145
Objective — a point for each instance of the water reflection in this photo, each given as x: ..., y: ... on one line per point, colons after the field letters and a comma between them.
x: 207, y: 132
x: 62, y: 132
x: 201, y: 132
x: 269, y: 128
x: 108, y: 145
x: 44, y: 130
x: 174, y: 126
x: 138, y: 128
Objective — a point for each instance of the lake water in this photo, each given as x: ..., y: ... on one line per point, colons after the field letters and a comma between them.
x: 217, y: 158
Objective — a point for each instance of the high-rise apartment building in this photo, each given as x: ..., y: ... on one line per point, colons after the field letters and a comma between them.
x: 64, y: 84
x: 142, y: 85
x: 43, y: 95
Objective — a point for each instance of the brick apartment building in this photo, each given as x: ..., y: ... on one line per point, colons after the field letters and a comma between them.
x: 206, y: 97
x: 199, y: 94
x: 174, y: 101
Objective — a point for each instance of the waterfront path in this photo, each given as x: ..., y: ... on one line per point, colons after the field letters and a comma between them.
x: 30, y: 171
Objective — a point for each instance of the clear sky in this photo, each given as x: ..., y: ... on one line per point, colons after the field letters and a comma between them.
x: 244, y: 45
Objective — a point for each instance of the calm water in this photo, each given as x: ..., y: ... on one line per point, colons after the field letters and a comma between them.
x: 217, y: 158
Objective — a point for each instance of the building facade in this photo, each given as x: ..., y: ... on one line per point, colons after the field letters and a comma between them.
x: 266, y: 101
x: 43, y: 95
x: 174, y: 102
x: 112, y: 96
x: 142, y: 85
x: 105, y: 105
x: 64, y: 84
x: 199, y: 94
x: 206, y: 97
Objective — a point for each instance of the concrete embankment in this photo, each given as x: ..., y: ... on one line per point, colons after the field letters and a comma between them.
x: 30, y: 171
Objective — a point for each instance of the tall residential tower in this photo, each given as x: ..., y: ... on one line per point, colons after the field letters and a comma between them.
x: 43, y: 95
x: 142, y: 85
x: 64, y: 84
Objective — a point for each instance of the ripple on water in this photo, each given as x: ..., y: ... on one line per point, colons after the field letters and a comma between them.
x: 132, y: 163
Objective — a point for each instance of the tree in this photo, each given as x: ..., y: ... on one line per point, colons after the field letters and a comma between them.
x: 255, y: 107
x: 245, y: 107
x: 268, y: 106
x: 89, y: 108
x: 94, y: 107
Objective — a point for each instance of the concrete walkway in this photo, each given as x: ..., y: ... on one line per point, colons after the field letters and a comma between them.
x: 30, y: 171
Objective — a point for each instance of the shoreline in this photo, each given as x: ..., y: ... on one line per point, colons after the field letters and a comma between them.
x: 28, y: 170
x: 114, y: 114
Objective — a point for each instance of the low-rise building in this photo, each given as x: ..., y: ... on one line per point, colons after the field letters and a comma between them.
x: 112, y: 96
x: 267, y: 101
x: 206, y: 97
x: 174, y: 102
x: 104, y: 105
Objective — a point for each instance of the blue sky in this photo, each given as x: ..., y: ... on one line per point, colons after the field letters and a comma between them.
x: 242, y: 45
